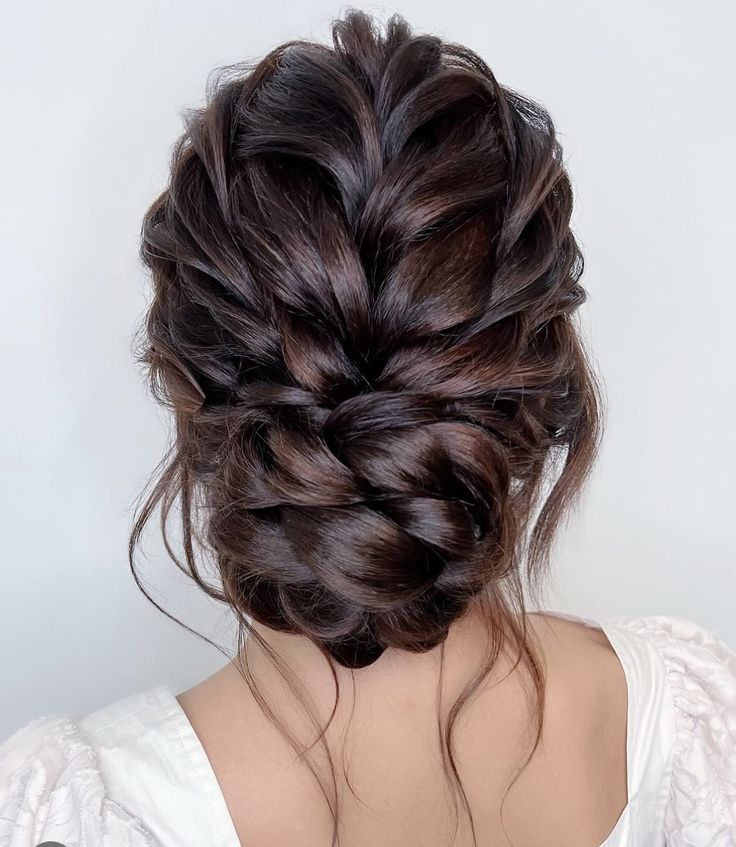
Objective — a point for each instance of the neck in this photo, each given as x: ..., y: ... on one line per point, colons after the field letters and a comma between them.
x: 463, y: 653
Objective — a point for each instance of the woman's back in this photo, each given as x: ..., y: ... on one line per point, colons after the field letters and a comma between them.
x: 575, y: 781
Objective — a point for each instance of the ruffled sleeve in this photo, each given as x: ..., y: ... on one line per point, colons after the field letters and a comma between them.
x: 701, y: 670
x: 51, y: 790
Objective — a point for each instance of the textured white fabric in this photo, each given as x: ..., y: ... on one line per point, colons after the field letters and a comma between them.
x: 701, y: 672
x: 51, y: 790
x: 134, y: 774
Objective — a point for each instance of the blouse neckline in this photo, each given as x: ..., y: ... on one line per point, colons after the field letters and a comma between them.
x: 151, y: 726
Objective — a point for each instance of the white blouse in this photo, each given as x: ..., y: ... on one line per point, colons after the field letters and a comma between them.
x: 134, y: 774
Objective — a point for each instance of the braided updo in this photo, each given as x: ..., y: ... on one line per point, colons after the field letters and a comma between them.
x: 364, y: 277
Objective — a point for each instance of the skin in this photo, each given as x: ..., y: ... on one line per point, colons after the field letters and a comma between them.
x: 570, y: 795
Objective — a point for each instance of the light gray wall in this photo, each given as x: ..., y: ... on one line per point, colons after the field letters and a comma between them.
x: 642, y: 93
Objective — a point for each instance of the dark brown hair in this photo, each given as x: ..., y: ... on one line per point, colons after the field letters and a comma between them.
x: 364, y: 281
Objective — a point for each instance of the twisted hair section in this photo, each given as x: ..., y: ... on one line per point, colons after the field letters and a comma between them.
x: 364, y: 287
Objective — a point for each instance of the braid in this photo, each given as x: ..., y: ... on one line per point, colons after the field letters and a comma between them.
x: 364, y: 278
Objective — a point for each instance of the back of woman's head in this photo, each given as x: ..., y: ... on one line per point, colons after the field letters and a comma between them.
x: 364, y: 279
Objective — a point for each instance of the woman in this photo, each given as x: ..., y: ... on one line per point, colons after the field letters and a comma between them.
x: 365, y: 287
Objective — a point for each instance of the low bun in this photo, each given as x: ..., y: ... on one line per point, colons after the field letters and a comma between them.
x: 364, y: 278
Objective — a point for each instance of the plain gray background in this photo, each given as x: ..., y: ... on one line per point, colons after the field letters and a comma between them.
x: 642, y: 92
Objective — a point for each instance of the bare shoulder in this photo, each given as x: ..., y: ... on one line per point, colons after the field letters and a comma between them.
x: 572, y: 642
x: 582, y: 671
x: 583, y: 741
